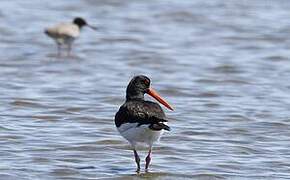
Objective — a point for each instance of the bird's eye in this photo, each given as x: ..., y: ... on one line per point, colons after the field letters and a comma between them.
x: 146, y: 82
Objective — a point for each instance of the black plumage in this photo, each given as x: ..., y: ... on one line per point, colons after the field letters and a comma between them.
x: 141, y: 112
x: 137, y: 110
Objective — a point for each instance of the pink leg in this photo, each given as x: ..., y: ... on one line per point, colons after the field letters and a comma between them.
x: 148, y: 160
x: 137, y: 160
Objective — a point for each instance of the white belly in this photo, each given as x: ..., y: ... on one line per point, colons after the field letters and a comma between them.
x: 140, y: 134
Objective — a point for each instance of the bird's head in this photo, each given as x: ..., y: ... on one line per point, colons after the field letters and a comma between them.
x: 140, y: 85
x: 80, y: 22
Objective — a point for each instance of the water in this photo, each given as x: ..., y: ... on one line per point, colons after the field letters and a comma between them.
x: 223, y: 65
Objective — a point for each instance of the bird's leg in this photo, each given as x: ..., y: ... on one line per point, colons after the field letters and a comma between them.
x: 58, y: 49
x: 148, y: 159
x: 69, y: 48
x: 137, y: 160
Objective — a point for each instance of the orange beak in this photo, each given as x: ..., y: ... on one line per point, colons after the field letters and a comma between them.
x: 156, y: 96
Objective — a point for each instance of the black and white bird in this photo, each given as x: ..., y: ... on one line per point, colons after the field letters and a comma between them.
x: 140, y: 121
x: 64, y: 34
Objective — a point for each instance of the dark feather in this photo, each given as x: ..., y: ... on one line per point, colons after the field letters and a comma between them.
x: 159, y: 126
x: 142, y: 112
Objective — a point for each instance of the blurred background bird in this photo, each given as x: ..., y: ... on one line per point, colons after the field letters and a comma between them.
x: 64, y: 34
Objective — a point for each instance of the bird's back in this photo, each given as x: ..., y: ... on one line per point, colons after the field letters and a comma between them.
x: 142, y: 112
x: 63, y: 30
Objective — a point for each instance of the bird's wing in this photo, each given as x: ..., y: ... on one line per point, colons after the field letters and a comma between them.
x: 142, y: 113
x: 63, y: 29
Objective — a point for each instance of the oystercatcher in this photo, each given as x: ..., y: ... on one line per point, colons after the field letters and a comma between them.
x: 140, y: 121
x: 64, y: 34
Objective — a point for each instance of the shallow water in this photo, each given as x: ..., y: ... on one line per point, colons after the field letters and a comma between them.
x: 223, y: 65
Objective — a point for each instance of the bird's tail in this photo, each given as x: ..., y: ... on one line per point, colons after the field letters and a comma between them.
x: 46, y: 31
x: 159, y: 126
